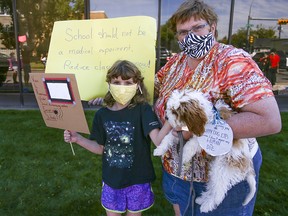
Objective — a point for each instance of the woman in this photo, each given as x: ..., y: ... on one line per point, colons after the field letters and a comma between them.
x: 221, y: 71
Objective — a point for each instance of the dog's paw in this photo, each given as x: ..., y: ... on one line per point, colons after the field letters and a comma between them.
x: 200, y: 200
x: 206, y: 202
x: 158, y: 151
x: 206, y: 205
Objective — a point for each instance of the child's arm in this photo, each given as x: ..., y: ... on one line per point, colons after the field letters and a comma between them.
x: 90, y: 145
x: 157, y: 135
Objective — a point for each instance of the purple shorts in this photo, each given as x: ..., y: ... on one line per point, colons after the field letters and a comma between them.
x: 135, y: 198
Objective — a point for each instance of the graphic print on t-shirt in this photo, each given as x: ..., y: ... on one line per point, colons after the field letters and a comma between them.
x: 119, y: 149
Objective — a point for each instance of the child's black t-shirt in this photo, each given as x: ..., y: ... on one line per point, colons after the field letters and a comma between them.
x: 126, y: 158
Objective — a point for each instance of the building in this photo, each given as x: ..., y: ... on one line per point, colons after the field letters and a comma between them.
x: 98, y: 15
x: 263, y: 44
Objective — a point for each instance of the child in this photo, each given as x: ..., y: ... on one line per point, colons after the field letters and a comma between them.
x: 13, y: 66
x: 120, y: 133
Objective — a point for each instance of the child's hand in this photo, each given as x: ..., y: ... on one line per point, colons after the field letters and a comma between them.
x: 70, y: 136
x: 96, y: 102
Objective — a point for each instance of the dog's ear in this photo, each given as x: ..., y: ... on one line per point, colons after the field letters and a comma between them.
x: 193, y: 114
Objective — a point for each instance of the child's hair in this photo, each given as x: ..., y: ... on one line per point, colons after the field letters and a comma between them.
x: 126, y: 70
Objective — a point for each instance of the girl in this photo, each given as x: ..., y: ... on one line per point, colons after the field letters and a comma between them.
x: 121, y: 132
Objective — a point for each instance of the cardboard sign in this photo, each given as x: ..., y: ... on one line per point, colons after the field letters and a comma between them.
x: 59, y: 101
x: 88, y: 48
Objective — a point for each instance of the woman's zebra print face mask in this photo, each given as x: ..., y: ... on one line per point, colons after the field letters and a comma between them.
x: 196, y: 46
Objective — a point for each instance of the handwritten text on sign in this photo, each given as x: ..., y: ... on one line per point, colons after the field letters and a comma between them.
x: 217, y: 138
x: 88, y: 48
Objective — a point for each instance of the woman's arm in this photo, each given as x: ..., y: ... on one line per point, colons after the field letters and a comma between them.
x: 90, y: 145
x: 260, y: 118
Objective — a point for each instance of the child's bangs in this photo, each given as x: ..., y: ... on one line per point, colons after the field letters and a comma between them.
x: 124, y: 73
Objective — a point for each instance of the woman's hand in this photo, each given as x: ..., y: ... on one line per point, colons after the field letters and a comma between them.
x: 70, y: 136
x: 96, y: 102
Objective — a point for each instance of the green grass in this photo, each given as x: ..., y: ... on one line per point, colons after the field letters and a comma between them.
x: 40, y: 175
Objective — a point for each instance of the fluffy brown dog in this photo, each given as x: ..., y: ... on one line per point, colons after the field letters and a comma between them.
x: 191, y: 109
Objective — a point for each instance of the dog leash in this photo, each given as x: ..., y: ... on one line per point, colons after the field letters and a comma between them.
x: 180, y: 151
x: 181, y: 144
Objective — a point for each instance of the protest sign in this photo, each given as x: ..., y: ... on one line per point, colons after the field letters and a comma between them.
x: 88, y: 48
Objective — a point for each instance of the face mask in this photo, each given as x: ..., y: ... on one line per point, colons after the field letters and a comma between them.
x: 122, y: 93
x: 196, y: 46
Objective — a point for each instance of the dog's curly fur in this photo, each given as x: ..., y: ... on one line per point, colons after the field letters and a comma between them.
x: 191, y: 109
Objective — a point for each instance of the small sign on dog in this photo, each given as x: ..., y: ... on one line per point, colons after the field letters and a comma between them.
x: 217, y: 138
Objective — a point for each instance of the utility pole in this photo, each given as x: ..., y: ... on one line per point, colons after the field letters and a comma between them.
x: 86, y: 9
x: 279, y: 29
x: 231, y: 21
x: 16, y: 32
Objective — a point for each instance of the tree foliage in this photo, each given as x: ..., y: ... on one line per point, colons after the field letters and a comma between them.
x: 239, y: 39
x: 7, y: 31
x: 36, y: 19
x: 6, y: 5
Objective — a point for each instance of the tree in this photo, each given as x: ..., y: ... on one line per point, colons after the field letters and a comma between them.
x: 36, y: 19
x: 7, y: 31
x: 7, y: 36
x: 262, y: 32
x: 167, y: 36
x: 239, y: 39
x: 6, y: 5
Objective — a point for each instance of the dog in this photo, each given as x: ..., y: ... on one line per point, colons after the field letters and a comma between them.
x: 192, y: 109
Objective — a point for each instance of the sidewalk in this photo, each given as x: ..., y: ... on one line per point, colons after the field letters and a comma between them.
x: 13, y: 100
x: 281, y: 87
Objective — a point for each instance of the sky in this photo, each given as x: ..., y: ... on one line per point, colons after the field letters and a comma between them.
x: 260, y: 9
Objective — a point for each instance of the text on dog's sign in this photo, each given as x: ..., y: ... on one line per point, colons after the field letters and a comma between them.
x: 217, y: 138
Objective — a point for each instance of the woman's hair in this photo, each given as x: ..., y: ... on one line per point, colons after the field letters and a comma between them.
x: 126, y: 70
x: 193, y: 8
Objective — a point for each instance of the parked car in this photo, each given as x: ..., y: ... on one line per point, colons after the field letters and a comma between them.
x: 4, y: 66
x: 165, y: 55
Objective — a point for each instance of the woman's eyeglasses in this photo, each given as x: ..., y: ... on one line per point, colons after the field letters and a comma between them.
x: 194, y: 29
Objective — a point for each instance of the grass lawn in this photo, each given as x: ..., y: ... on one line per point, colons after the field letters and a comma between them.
x: 40, y: 175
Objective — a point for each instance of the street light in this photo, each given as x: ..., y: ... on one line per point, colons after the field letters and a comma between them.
x: 248, y: 26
